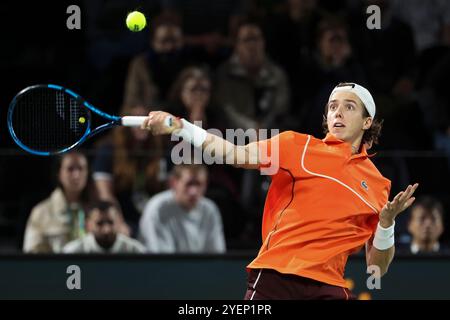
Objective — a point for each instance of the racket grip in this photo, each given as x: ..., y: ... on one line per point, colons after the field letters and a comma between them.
x: 136, y: 121
x: 133, y: 121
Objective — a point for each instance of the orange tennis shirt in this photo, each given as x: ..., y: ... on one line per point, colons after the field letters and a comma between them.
x: 322, y: 205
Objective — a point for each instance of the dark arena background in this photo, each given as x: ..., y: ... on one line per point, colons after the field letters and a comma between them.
x: 182, y: 63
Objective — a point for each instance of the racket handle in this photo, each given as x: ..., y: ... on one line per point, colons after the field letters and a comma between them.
x: 132, y: 121
x: 136, y: 121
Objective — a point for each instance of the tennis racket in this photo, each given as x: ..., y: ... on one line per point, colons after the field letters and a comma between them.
x: 48, y: 119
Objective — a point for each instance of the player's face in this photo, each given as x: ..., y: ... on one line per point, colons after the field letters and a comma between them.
x: 345, y: 117
x: 425, y: 225
x: 103, y: 226
x: 190, y: 187
x: 73, y: 174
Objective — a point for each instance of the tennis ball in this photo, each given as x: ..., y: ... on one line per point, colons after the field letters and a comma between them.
x: 82, y: 120
x: 136, y: 21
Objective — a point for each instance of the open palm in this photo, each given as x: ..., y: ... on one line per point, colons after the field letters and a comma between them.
x: 402, y: 201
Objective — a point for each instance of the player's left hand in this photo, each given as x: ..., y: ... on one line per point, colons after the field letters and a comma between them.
x: 402, y: 201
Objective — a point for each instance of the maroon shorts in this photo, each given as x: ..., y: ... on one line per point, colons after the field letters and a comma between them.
x: 267, y: 284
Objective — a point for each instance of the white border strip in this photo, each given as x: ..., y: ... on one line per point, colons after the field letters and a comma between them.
x: 254, y: 285
x: 331, y: 178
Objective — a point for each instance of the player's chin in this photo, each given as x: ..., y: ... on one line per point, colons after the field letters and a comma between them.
x: 339, y: 133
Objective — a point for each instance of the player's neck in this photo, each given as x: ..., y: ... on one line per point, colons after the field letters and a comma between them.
x: 355, y: 149
x: 356, y: 145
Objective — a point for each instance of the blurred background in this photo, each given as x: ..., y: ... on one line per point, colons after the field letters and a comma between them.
x: 230, y: 64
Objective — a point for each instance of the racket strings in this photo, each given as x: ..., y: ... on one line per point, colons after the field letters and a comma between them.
x: 48, y: 120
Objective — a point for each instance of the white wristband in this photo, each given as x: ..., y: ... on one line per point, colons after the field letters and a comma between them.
x: 191, y: 133
x: 384, y: 237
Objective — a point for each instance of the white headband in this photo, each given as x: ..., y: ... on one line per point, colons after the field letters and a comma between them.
x: 362, y: 93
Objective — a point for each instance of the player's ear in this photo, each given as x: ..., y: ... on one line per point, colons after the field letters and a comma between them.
x: 367, y: 123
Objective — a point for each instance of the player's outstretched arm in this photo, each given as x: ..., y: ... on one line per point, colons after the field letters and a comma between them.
x: 161, y: 123
x: 381, y: 251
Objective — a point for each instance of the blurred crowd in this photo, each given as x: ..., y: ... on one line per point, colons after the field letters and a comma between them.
x: 250, y: 64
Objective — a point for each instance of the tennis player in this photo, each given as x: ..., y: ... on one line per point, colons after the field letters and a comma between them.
x: 326, y: 201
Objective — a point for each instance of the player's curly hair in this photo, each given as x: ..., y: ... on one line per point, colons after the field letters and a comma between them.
x: 370, y: 136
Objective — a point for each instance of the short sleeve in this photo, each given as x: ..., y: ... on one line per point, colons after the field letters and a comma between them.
x: 276, y: 152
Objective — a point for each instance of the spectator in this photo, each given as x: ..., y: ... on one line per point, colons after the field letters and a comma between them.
x: 190, y: 96
x: 190, y: 99
x: 151, y: 73
x: 182, y: 220
x: 129, y: 168
x: 426, y: 226
x: 253, y: 91
x: 61, y: 217
x: 103, y: 236
x: 332, y: 63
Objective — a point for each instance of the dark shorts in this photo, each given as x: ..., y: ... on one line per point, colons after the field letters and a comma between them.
x: 267, y: 284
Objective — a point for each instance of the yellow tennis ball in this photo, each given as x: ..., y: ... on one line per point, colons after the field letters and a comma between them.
x: 136, y: 21
x: 82, y: 120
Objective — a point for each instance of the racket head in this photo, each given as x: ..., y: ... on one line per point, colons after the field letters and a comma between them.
x: 48, y: 119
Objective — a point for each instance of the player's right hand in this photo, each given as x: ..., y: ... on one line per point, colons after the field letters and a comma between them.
x: 160, y: 122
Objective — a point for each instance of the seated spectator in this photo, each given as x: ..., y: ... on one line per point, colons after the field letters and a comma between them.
x: 253, y: 91
x: 190, y: 99
x: 332, y: 63
x: 426, y: 226
x: 61, y: 217
x: 254, y: 94
x: 103, y: 236
x: 182, y: 220
x: 151, y: 73
x: 190, y: 95
x: 129, y: 168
